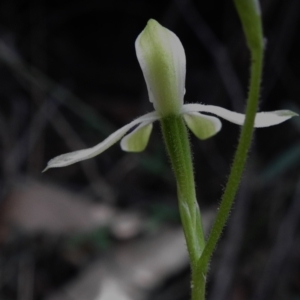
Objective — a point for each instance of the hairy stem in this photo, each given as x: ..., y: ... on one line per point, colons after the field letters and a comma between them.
x: 178, y: 147
x: 250, y: 16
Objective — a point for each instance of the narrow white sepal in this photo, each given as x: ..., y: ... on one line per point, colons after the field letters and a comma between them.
x: 202, y: 126
x: 137, y: 140
x: 262, y: 119
x: 76, y: 156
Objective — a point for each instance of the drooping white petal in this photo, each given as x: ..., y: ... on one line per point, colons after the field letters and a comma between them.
x: 201, y: 125
x: 76, y: 156
x: 162, y: 59
x: 137, y: 140
x: 262, y: 119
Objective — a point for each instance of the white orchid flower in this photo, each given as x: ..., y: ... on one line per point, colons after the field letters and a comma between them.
x: 162, y: 59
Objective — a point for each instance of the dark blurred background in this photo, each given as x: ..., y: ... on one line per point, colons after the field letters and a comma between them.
x: 108, y: 228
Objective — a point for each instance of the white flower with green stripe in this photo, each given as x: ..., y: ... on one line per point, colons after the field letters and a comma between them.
x: 162, y: 59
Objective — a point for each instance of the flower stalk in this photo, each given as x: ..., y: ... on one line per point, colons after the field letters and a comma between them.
x: 178, y: 147
x: 250, y: 17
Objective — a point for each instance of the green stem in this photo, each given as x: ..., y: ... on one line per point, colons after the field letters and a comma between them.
x: 178, y: 147
x: 255, y: 43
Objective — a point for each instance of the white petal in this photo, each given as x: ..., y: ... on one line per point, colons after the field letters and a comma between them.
x: 162, y: 59
x: 262, y: 119
x: 137, y: 140
x: 201, y: 125
x: 76, y: 156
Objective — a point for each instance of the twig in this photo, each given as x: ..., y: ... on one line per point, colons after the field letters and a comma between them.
x: 33, y: 76
x: 216, y: 49
x: 37, y: 79
x: 284, y: 35
x: 71, y: 138
x: 281, y: 250
x: 20, y: 152
x: 233, y: 242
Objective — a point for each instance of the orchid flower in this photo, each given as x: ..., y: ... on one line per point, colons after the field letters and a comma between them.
x: 162, y: 60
